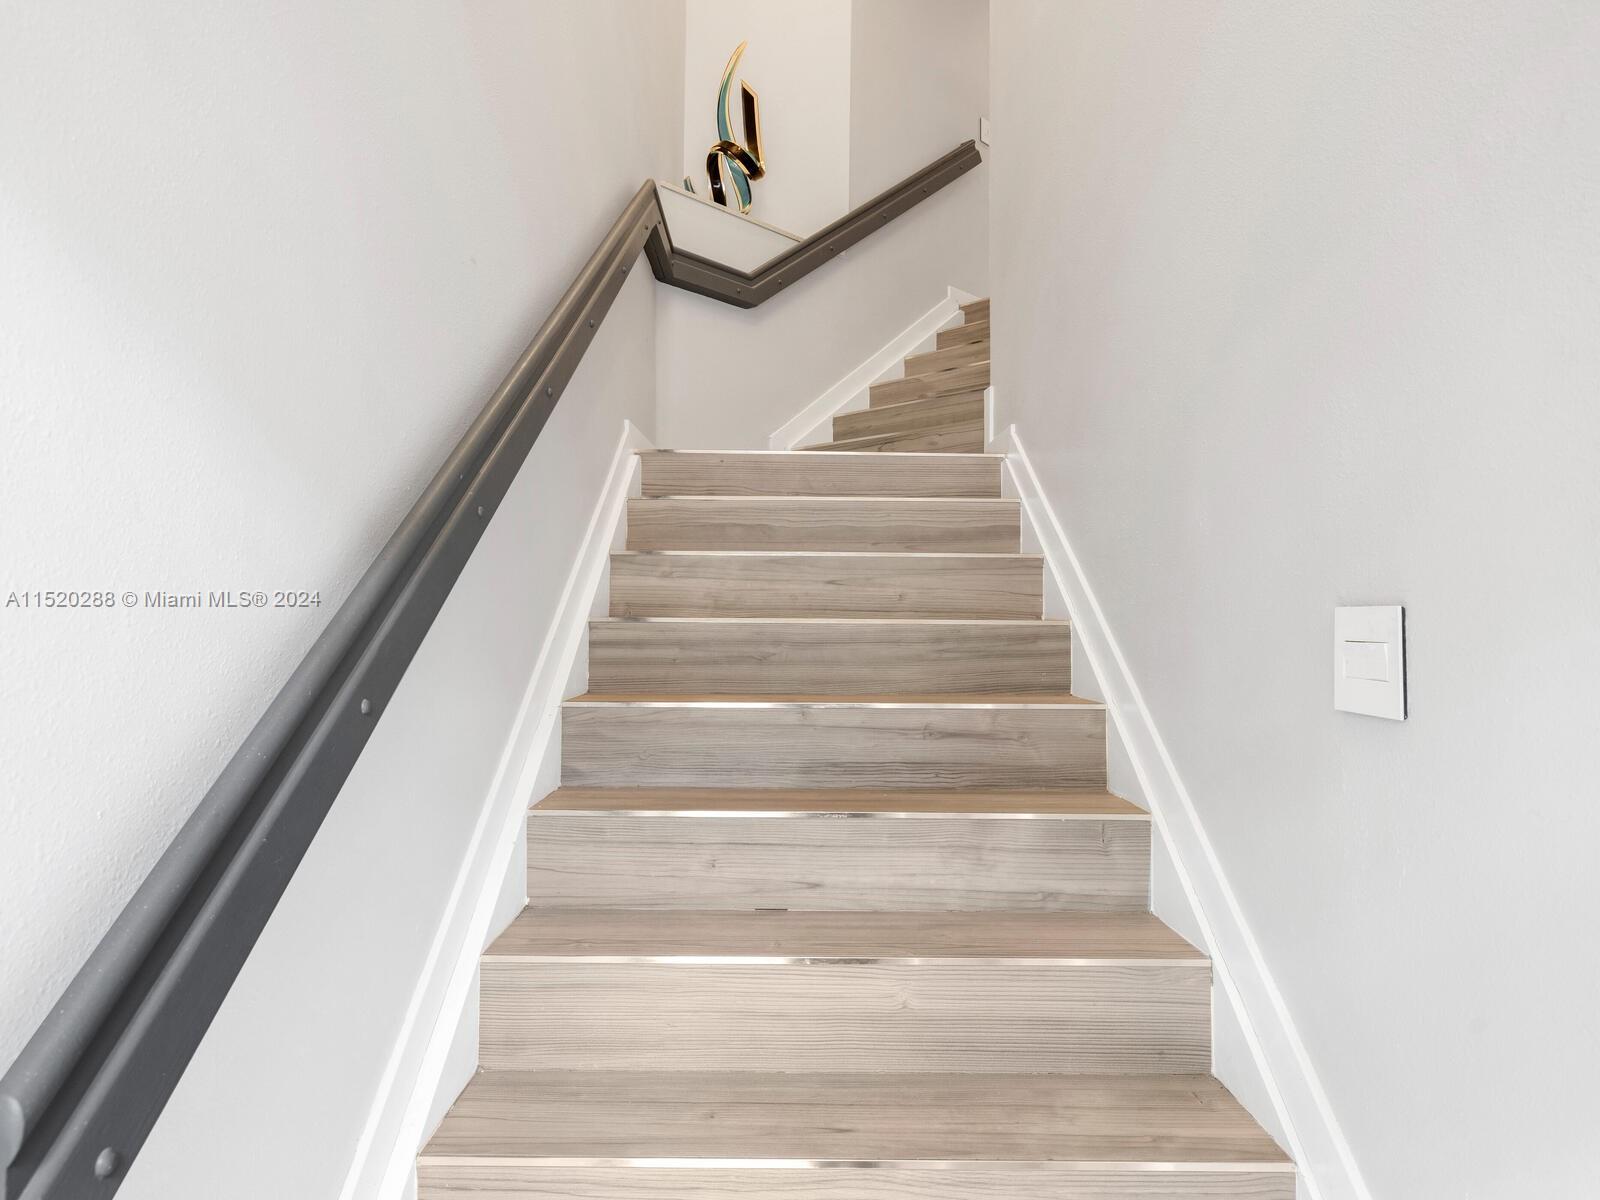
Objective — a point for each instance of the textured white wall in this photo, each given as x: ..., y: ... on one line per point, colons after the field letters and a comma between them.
x: 798, y: 62
x: 261, y: 269
x: 917, y: 83
x: 1296, y: 307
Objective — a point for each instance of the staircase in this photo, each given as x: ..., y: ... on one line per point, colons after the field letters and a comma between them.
x: 937, y: 406
x: 832, y: 881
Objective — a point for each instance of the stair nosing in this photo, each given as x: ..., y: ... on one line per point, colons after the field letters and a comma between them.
x: 1165, y: 948
x: 988, y: 623
x: 1018, y: 1166
x: 940, y: 455
x: 986, y: 554
x: 921, y: 700
x: 793, y: 805
x: 831, y: 498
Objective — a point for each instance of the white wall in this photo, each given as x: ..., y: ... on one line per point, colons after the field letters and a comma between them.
x: 798, y: 63
x: 1295, y: 307
x: 261, y: 270
x: 918, y: 81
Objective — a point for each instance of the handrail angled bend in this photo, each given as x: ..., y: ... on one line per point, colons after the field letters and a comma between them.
x: 79, y: 1101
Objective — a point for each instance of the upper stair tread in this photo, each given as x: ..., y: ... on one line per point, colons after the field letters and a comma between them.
x: 852, y: 1119
x: 646, y: 801
x: 659, y: 934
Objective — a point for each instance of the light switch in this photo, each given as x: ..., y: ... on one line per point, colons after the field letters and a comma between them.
x: 1369, y: 660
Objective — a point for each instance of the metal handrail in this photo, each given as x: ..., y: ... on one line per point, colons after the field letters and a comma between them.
x: 79, y: 1101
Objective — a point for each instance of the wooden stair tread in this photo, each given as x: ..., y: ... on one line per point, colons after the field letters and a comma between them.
x: 828, y: 802
x: 920, y: 404
x: 965, y: 378
x: 852, y: 1119
x: 824, y: 700
x: 945, y: 357
x: 929, y: 523
x: 904, y: 472
x: 964, y: 435
x: 963, y: 334
x: 733, y: 935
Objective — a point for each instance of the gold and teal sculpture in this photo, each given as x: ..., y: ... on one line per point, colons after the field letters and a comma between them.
x: 731, y: 164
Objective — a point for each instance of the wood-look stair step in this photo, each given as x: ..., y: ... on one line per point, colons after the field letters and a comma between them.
x: 961, y: 409
x: 743, y: 1135
x: 600, y: 989
x: 962, y: 355
x: 739, y: 583
x: 960, y: 335
x: 975, y: 310
x: 973, y: 377
x: 765, y: 655
x: 839, y: 850
x: 788, y: 938
x: 809, y: 473
x: 893, y: 523
x: 1011, y: 804
x: 890, y: 741
x: 963, y: 437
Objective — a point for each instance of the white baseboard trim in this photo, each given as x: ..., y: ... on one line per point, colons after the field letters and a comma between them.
x: 1327, y: 1168
x: 425, y: 1061
x: 872, y: 369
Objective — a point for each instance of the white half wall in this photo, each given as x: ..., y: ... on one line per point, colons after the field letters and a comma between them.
x: 262, y: 266
x: 1296, y: 305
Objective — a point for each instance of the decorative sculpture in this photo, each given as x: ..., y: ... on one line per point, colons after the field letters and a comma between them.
x: 730, y: 162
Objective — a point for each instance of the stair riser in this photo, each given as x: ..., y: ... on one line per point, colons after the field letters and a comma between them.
x: 790, y: 746
x: 962, y: 335
x: 834, y: 864
x: 950, y: 356
x: 522, y: 1182
x: 1122, y: 1017
x: 825, y: 586
x: 974, y: 311
x: 811, y: 523
x: 811, y: 474
x: 827, y: 657
x: 964, y: 408
x: 973, y: 377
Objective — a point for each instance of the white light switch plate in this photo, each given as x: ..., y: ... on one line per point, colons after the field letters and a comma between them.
x: 983, y: 130
x: 1369, y: 660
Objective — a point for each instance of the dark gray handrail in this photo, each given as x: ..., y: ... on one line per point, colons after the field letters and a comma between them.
x: 76, y: 1106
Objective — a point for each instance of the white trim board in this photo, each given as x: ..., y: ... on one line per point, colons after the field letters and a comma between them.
x: 887, y: 362
x: 1327, y: 1168
x: 433, y: 1056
